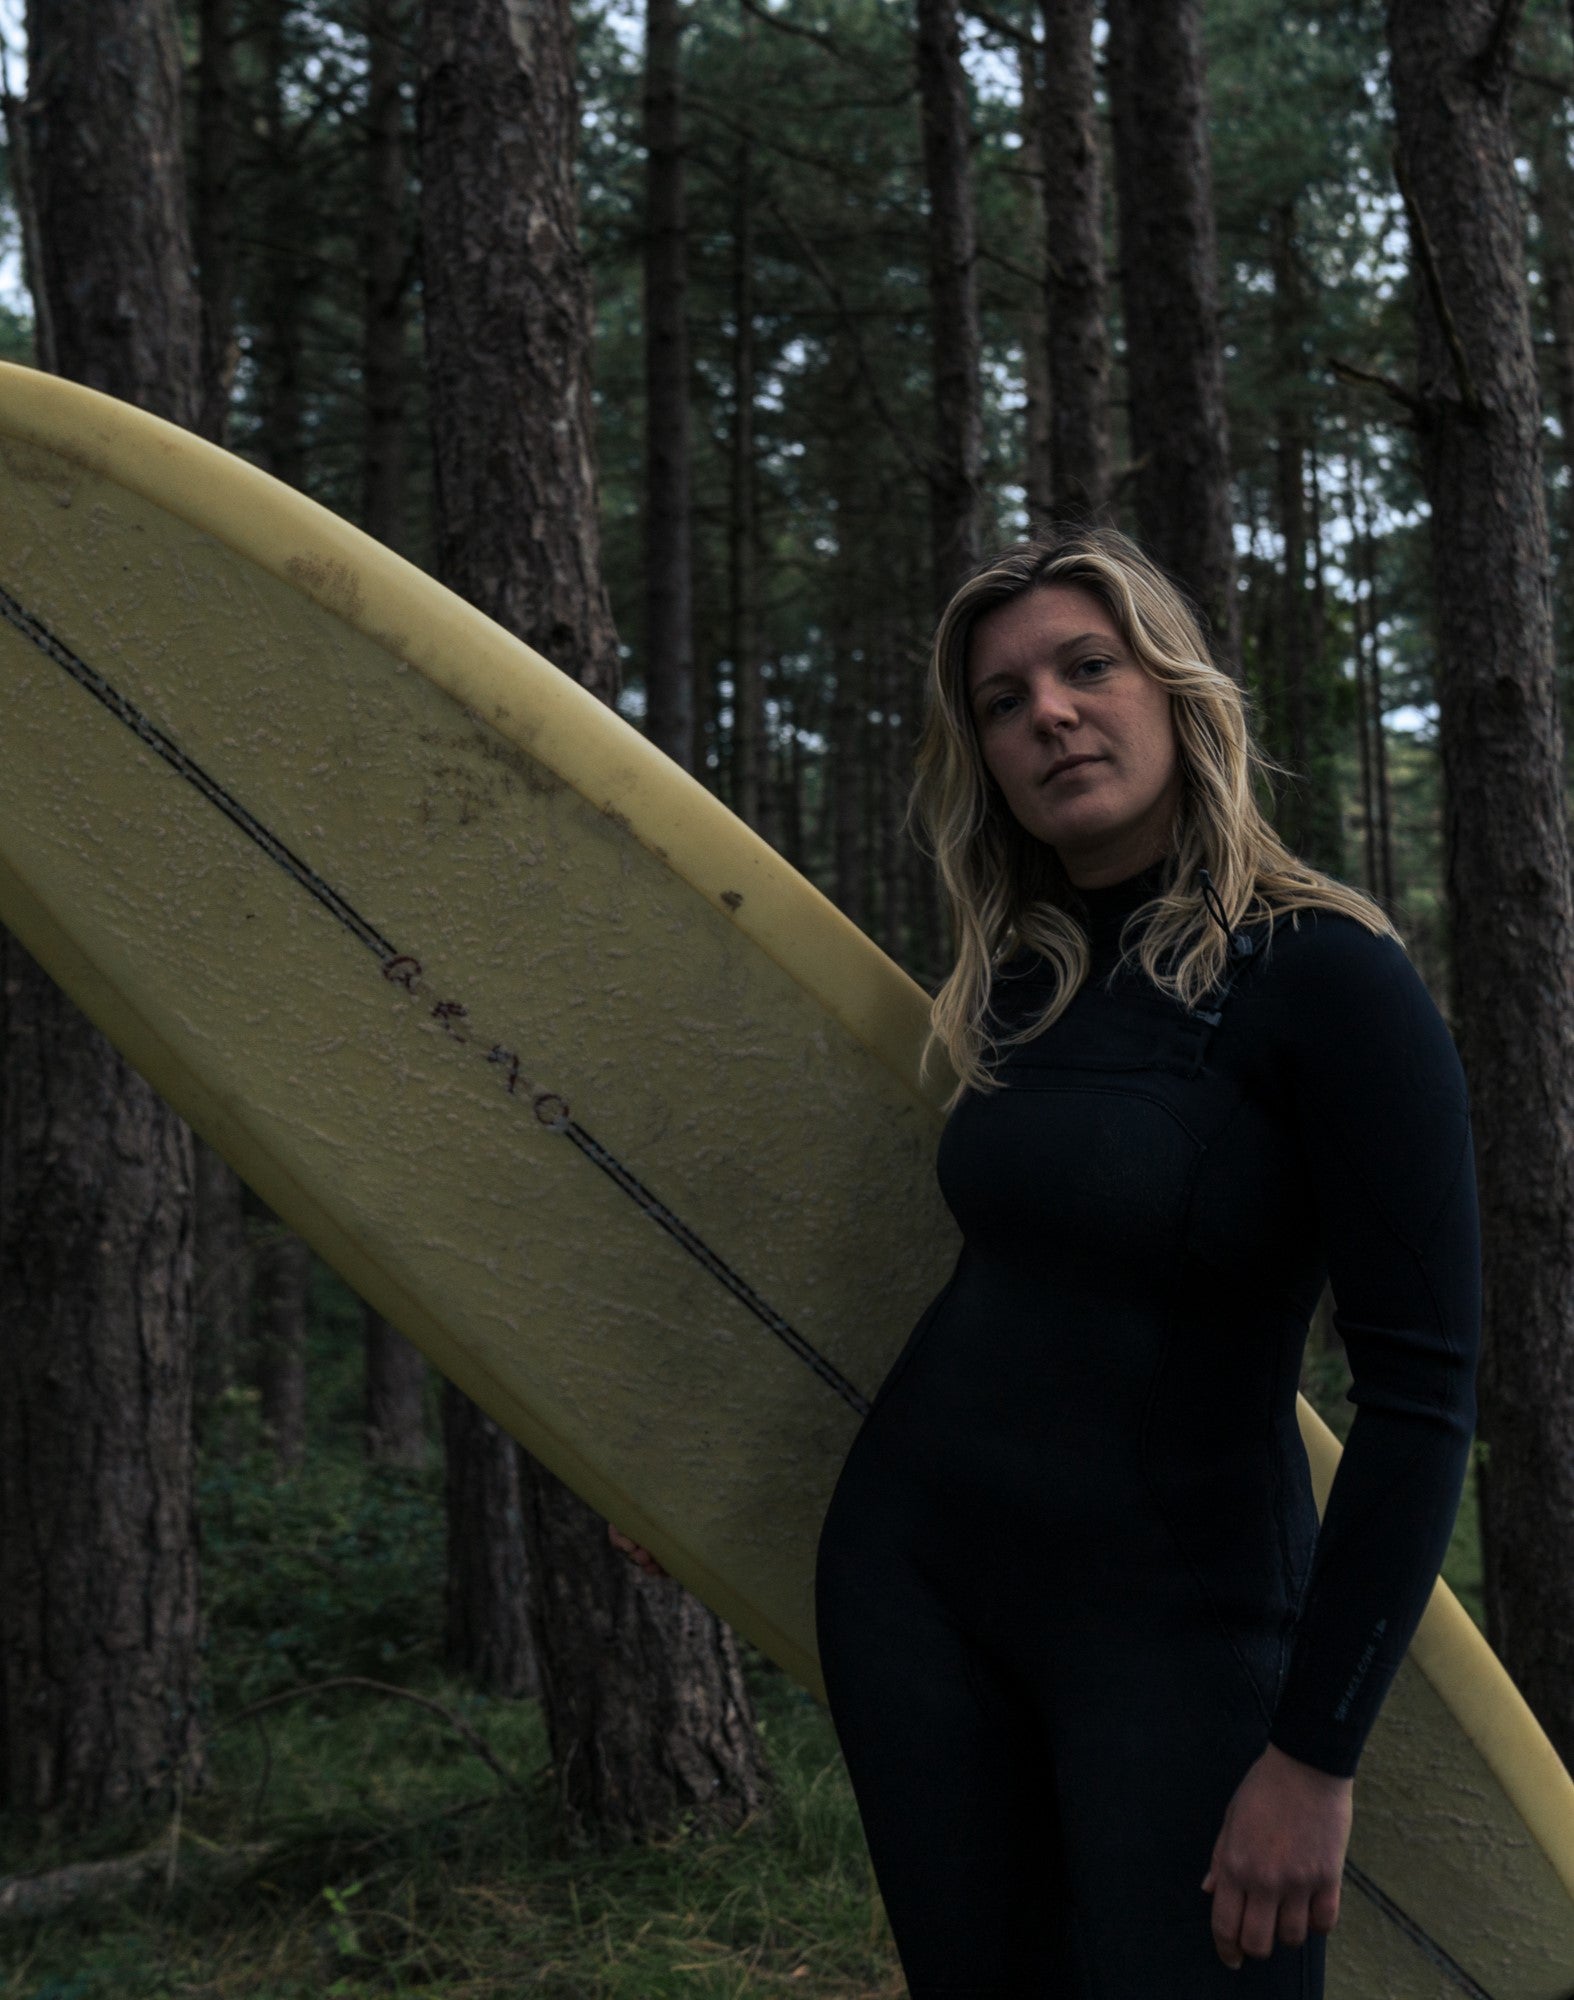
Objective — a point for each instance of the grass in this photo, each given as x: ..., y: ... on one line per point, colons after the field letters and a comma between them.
x: 399, y: 1865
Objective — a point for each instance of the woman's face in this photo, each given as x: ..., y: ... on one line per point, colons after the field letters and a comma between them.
x: 1050, y: 679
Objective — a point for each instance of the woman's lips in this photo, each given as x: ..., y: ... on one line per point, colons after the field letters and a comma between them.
x: 1079, y: 764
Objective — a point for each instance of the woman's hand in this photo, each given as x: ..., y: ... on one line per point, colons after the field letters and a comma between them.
x: 1278, y: 1859
x: 634, y: 1552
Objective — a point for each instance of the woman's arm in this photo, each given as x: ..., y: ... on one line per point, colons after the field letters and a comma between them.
x: 1383, y: 1119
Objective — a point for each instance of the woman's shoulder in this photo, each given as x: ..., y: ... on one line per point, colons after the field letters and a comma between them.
x: 1323, y: 944
x: 1339, y: 987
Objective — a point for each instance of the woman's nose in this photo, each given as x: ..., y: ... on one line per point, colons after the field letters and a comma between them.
x: 1052, y: 704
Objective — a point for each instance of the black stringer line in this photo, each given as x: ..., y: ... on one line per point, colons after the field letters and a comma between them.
x: 90, y: 679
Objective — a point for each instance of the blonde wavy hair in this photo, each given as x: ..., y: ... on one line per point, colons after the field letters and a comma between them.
x: 1006, y: 889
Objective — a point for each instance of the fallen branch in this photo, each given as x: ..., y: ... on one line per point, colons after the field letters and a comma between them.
x: 26, y: 1898
x: 457, y: 1723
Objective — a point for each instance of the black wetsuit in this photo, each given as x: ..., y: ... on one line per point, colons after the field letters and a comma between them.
x: 1067, y: 1588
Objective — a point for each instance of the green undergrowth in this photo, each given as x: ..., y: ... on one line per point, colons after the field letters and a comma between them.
x: 391, y: 1858
x: 400, y: 1865
x: 395, y: 1861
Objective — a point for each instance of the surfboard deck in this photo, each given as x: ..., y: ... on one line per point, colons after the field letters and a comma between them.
x: 567, y: 1072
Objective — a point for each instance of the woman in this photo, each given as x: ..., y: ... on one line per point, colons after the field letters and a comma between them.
x: 1100, y: 1684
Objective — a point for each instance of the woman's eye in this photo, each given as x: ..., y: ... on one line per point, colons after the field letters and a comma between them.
x: 1099, y: 665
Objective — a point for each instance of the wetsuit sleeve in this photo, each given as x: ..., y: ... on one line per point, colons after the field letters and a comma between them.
x: 1383, y: 1118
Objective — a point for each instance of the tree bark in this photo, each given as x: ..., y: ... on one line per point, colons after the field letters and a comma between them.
x: 385, y: 258
x: 1079, y: 448
x: 953, y: 298
x: 1169, y: 293
x: 1370, y: 685
x: 395, y: 1394
x: 508, y: 331
x: 640, y: 1684
x: 748, y: 685
x: 214, y: 220
x: 19, y: 143
x: 221, y: 1299
x: 1545, y: 132
x: 488, y: 1588
x: 1038, y: 476
x: 671, y: 1730
x: 281, y: 1272
x: 1289, y: 464
x: 103, y: 92
x: 1505, y: 816
x: 669, y: 559
x: 1363, y: 616
x: 98, y: 1549
x: 281, y: 434
x: 98, y: 1560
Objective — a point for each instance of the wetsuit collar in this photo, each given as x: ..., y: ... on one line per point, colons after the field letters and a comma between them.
x: 1112, y: 904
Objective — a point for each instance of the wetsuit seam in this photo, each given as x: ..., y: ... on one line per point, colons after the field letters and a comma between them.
x: 1292, y: 1589
x: 1098, y: 1090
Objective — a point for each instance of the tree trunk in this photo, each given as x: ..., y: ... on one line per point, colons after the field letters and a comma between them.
x: 1505, y: 816
x: 669, y: 561
x: 1363, y: 621
x: 1080, y: 455
x: 281, y: 434
x: 1169, y: 291
x: 98, y: 1550
x: 214, y: 220
x: 641, y: 1686
x: 671, y: 1730
x: 221, y: 1298
x: 488, y: 1589
x: 395, y: 1394
x: 953, y: 298
x: 1546, y: 131
x: 1038, y: 476
x: 1325, y: 842
x: 1382, y: 833
x: 385, y: 260
x: 508, y: 332
x: 1289, y: 462
x: 19, y: 170
x: 281, y: 1272
x: 748, y: 686
x: 98, y: 1561
x: 103, y: 93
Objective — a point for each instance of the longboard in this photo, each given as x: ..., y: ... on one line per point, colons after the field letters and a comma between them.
x: 567, y: 1072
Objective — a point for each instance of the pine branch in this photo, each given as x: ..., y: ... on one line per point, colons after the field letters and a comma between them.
x: 1347, y: 372
x: 811, y: 257
x: 1560, y: 86
x: 997, y: 24
x: 827, y: 44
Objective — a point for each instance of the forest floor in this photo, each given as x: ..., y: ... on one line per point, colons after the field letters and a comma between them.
x: 395, y: 1860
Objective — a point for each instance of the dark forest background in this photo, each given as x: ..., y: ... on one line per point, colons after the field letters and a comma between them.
x: 704, y: 344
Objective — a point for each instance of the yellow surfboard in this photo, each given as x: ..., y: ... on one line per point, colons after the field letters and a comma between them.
x: 567, y: 1072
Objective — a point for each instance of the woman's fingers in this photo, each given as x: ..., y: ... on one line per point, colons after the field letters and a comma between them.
x: 634, y: 1551
x: 1294, y: 1920
x: 1324, y: 1911
x: 1229, y: 1906
x: 1259, y: 1924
